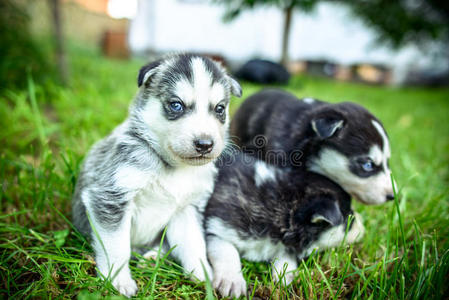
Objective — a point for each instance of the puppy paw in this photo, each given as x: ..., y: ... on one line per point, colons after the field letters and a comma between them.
x: 230, y: 285
x: 357, y: 230
x: 149, y: 259
x: 125, y: 285
x: 198, y: 273
x: 285, y: 279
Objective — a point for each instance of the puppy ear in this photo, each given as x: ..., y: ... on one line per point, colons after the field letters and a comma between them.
x: 319, y: 208
x: 326, y: 127
x: 327, y: 212
x: 236, y: 89
x: 147, y: 71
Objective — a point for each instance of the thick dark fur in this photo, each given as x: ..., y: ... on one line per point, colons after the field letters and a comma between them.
x: 342, y: 141
x: 279, y: 209
x: 267, y: 213
x: 285, y: 124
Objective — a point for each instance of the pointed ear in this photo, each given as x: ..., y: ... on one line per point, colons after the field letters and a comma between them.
x: 327, y: 212
x: 327, y: 126
x: 236, y: 89
x: 146, y: 72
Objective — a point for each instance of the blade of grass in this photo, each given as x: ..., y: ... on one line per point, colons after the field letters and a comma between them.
x: 326, y: 281
x: 35, y: 108
x: 209, y: 289
x: 158, y: 262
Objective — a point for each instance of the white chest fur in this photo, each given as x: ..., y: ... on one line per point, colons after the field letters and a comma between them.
x: 166, y: 194
x: 254, y: 249
x: 260, y: 249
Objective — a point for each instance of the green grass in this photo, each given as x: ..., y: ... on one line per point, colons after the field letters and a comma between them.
x: 46, y: 130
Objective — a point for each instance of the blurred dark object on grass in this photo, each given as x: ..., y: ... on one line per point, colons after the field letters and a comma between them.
x: 19, y: 51
x: 428, y: 78
x: 264, y: 72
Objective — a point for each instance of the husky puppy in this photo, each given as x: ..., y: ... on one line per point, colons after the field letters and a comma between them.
x: 157, y: 168
x: 263, y: 212
x: 343, y: 141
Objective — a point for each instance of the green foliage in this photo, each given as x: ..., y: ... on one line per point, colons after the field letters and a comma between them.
x: 404, y: 21
x: 235, y: 7
x: 404, y: 254
x: 19, y: 52
x: 396, y: 23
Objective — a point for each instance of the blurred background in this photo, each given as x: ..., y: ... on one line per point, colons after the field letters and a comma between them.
x: 374, y: 41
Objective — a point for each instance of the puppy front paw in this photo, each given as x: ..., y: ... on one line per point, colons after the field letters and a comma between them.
x: 125, y: 285
x: 357, y: 230
x: 198, y: 272
x: 286, y: 279
x: 230, y: 285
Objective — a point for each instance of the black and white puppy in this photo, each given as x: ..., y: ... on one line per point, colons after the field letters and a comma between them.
x: 263, y: 212
x: 343, y: 141
x: 157, y: 167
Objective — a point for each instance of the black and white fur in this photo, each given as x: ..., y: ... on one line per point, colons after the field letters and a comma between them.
x: 156, y: 169
x: 263, y: 212
x: 343, y: 141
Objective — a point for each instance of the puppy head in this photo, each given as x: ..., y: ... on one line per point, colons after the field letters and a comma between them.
x: 323, y: 206
x: 353, y: 150
x: 183, y: 104
x: 323, y: 211
x: 322, y: 221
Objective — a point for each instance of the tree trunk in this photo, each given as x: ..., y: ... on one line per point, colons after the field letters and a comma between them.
x: 59, y: 41
x: 286, y: 34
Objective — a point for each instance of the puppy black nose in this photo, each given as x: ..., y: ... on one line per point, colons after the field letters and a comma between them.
x: 390, y: 197
x: 203, y: 146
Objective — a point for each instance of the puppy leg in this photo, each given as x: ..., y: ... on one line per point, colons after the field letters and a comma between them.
x: 285, y: 265
x: 225, y: 260
x: 185, y: 233
x: 357, y: 230
x: 112, y: 253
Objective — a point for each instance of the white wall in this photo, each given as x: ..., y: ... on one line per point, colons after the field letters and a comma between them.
x: 186, y: 26
x: 328, y: 33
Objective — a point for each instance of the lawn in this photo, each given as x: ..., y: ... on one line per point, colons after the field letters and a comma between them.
x: 47, y: 129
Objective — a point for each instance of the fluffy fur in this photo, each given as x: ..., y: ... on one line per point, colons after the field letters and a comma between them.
x: 265, y: 213
x: 156, y: 169
x: 343, y: 141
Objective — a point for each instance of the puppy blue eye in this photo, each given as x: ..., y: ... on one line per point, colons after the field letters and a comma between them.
x: 176, y: 106
x: 219, y: 109
x: 368, y: 166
